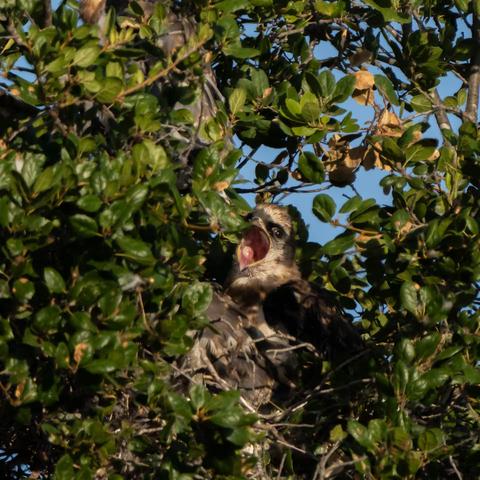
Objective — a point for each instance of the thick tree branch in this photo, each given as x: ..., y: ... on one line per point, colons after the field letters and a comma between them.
x: 474, y: 76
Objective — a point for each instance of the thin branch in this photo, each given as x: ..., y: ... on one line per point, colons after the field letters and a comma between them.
x: 280, y: 468
x: 247, y: 158
x: 320, y: 470
x: 455, y: 468
x: 341, y: 465
x: 47, y: 18
x: 440, y: 113
x: 474, y: 75
x: 14, y: 34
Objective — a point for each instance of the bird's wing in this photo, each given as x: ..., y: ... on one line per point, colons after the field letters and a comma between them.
x: 225, y: 354
x: 312, y: 315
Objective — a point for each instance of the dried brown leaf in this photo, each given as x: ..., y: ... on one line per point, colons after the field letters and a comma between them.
x: 364, y: 80
x: 389, y: 124
x: 364, y: 97
x: 79, y: 352
x: 354, y: 157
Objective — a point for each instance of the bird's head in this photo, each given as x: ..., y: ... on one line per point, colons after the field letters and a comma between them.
x: 265, y: 256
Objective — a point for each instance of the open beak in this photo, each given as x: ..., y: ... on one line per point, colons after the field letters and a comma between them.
x: 253, y: 247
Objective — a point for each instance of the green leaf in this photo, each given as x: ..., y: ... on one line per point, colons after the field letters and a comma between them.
x: 420, y: 103
x: 436, y: 231
x: 241, y: 52
x: 330, y: 9
x: 324, y: 207
x: 86, y: 56
x: 240, y: 436
x: 53, y: 280
x: 340, y: 279
x: 409, y: 296
x: 339, y: 245
x: 337, y: 434
x: 236, y: 101
x: 260, y: 81
x: 427, y: 345
x: 89, y: 203
x: 101, y: 366
x: 344, y: 89
x: 430, y: 439
x: 386, y: 88
x: 64, y: 468
x: 197, y: 298
x: 360, y: 433
x: 23, y: 289
x: 136, y: 250
x: 111, y: 88
x: 84, y: 225
x: 389, y: 13
x: 293, y: 107
x: 198, y: 395
x: 351, y: 204
x: 48, y: 319
x: 327, y: 83
x: 311, y: 167
x: 401, y: 376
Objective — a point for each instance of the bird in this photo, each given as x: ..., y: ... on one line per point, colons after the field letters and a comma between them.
x: 267, y: 320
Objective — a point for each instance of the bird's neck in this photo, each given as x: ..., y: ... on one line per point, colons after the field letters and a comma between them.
x: 251, y: 290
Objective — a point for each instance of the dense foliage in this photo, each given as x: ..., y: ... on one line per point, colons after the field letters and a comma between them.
x: 120, y: 198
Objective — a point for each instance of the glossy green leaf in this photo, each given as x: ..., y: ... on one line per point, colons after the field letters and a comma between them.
x: 53, y: 280
x: 236, y: 101
x: 386, y: 88
x: 136, y: 250
x: 324, y: 207
x: 197, y: 298
x: 86, y: 56
x: 409, y: 296
x: 84, y: 225
x: 339, y: 245
x: 311, y: 167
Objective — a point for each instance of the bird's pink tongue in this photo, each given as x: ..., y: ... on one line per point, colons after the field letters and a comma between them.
x: 247, y: 256
x: 253, y: 247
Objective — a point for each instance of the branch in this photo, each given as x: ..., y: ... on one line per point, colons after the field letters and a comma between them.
x: 47, y: 15
x: 455, y: 468
x: 15, y: 35
x: 440, y: 113
x: 474, y: 76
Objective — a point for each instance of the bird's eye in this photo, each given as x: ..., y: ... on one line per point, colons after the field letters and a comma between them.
x: 248, y: 217
x: 277, y: 232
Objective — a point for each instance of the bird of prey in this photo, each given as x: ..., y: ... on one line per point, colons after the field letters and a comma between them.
x: 266, y: 317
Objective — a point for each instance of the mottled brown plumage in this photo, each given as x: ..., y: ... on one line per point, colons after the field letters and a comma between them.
x: 267, y: 317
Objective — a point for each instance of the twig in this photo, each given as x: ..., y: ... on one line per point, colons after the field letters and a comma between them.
x: 280, y: 468
x: 320, y: 470
x: 13, y: 32
x: 344, y: 386
x: 342, y: 465
x: 455, y: 468
x: 474, y: 75
x: 306, y: 345
x: 151, y: 430
x: 142, y: 311
x: 247, y: 158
